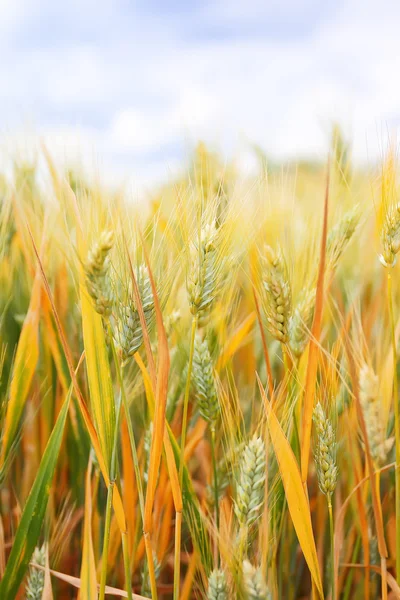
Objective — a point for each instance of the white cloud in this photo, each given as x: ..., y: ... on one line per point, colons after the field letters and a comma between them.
x: 136, y: 96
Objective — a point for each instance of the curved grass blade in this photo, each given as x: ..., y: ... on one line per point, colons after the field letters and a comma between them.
x: 99, y: 377
x: 34, y: 511
x: 312, y: 365
x: 88, y: 567
x: 77, y: 583
x: 294, y: 492
x: 26, y: 359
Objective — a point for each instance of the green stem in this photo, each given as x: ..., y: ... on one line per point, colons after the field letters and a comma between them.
x: 396, y: 422
x: 215, y: 486
x: 127, y: 565
x: 331, y: 529
x: 350, y: 575
x: 178, y: 523
x: 186, y: 400
x: 106, y: 541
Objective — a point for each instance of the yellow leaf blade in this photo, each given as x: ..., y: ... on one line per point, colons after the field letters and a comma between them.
x: 98, y: 371
x: 312, y: 365
x: 26, y: 359
x: 294, y: 491
x: 88, y: 589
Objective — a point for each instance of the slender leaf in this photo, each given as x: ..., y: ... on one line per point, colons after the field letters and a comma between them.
x: 294, y: 491
x: 29, y: 528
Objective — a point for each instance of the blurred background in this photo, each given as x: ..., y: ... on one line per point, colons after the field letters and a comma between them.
x: 126, y: 88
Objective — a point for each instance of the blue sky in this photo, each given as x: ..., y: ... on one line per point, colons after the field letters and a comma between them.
x: 131, y: 86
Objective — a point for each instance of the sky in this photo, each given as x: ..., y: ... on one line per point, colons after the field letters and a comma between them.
x: 129, y: 87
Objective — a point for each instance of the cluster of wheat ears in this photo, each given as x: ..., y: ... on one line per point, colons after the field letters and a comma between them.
x: 199, y: 394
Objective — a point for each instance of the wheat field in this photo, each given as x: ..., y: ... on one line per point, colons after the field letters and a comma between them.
x: 199, y: 393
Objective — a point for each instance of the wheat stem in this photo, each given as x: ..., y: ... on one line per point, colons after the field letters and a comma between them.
x: 332, y: 539
x: 127, y: 565
x: 182, y: 450
x: 106, y: 540
x: 396, y: 422
x: 215, y: 486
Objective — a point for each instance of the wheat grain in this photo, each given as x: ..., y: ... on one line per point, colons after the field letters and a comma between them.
x: 217, y: 586
x: 277, y: 293
x: 390, y: 236
x: 97, y: 273
x: 203, y: 380
x: 250, y: 488
x: 372, y: 410
x: 325, y: 452
x: 340, y: 235
x: 128, y: 332
x: 300, y: 322
x: 202, y: 279
x: 35, y: 583
x: 254, y: 583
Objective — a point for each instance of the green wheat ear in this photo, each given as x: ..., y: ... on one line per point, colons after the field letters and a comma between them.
x: 203, y: 380
x: 390, y: 236
x: 300, y: 322
x: 97, y: 269
x: 371, y: 407
x: 340, y: 235
x: 217, y: 586
x: 128, y: 333
x: 250, y: 489
x: 35, y: 583
x: 277, y: 293
x: 146, y: 589
x: 254, y: 583
x: 202, y: 281
x: 325, y: 452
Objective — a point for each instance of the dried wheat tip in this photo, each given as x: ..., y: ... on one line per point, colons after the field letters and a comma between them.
x: 325, y: 452
x: 146, y: 587
x: 217, y: 586
x: 35, y: 583
x: 300, y: 322
x: 254, y: 583
x: 390, y: 236
x: 278, y: 295
x: 340, y: 235
x: 371, y: 407
x: 128, y: 333
x: 203, y: 380
x: 250, y: 489
x: 97, y: 274
x: 203, y: 273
